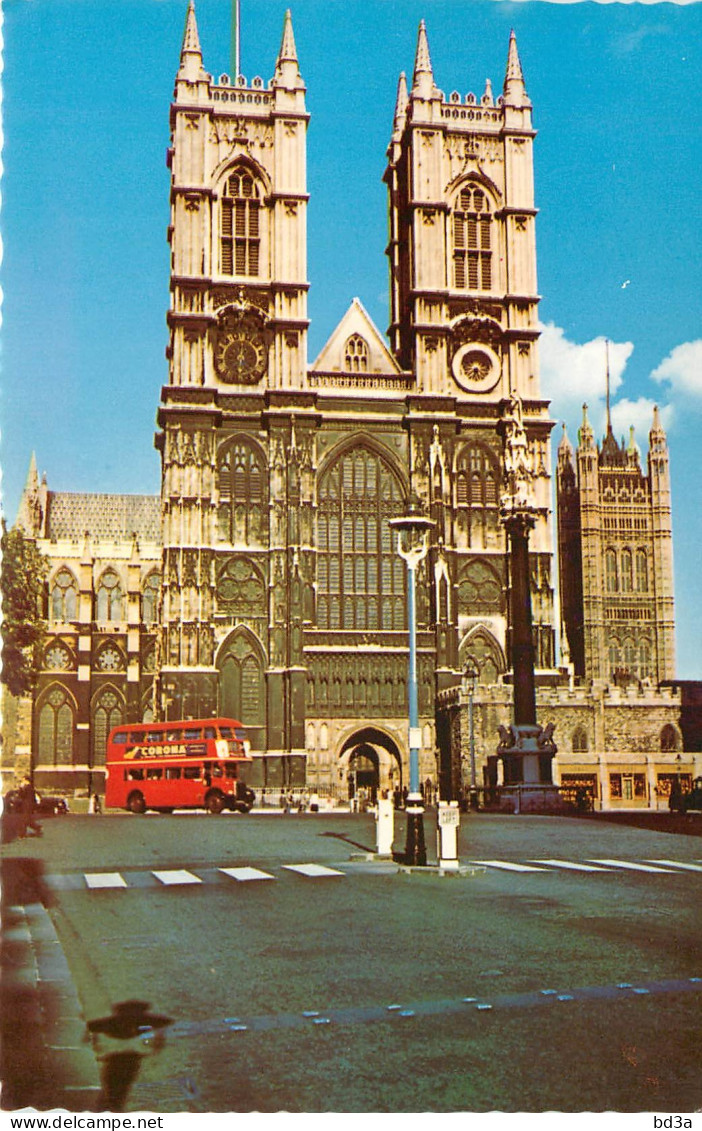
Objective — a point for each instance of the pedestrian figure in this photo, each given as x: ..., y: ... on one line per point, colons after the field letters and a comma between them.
x: 28, y: 802
x: 95, y: 805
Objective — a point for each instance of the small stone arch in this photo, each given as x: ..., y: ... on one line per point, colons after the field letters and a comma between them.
x: 480, y: 650
x: 670, y: 739
x: 370, y: 759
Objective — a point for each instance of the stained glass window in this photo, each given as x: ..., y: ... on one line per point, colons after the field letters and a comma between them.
x: 64, y: 597
x: 107, y: 713
x: 109, y: 597
x: 56, y: 725
x: 243, y: 494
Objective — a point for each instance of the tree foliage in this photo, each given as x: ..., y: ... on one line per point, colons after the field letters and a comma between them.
x: 23, y: 574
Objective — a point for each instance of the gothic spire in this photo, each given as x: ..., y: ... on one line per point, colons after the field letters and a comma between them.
x: 586, y: 437
x: 288, y: 51
x: 287, y: 72
x: 423, y: 78
x: 190, y: 52
x: 514, y: 90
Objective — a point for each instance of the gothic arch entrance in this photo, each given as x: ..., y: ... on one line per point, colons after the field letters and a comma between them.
x: 370, y: 763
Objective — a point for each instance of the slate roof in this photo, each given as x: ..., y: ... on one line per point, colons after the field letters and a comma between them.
x: 71, y: 514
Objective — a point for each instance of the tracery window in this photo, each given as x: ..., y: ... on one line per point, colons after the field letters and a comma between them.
x: 356, y: 354
x: 644, y: 659
x: 630, y: 655
x: 149, y: 599
x: 243, y: 494
x: 110, y: 601
x: 242, y: 694
x: 64, y: 596
x: 360, y: 577
x: 477, y: 478
x: 240, y: 224
x: 627, y: 572
x: 614, y: 656
x: 56, y: 727
x: 107, y: 713
x: 472, y: 240
x: 641, y: 571
x: 611, y: 573
x: 669, y: 738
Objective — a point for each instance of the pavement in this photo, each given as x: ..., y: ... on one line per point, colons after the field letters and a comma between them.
x: 48, y: 1061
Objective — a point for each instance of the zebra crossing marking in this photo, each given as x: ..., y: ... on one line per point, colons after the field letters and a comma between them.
x: 104, y: 880
x: 570, y: 865
x: 312, y: 870
x: 244, y: 874
x: 679, y: 864
x: 177, y: 876
x: 633, y: 867
x: 508, y: 866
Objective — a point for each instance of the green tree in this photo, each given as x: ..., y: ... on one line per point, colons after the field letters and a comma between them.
x: 23, y: 574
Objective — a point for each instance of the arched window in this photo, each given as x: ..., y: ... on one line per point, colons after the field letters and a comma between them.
x: 580, y: 745
x: 243, y: 494
x: 107, y: 713
x: 472, y: 240
x: 477, y: 478
x: 240, y: 226
x: 614, y: 656
x: 64, y: 597
x: 612, y: 576
x: 630, y: 655
x: 241, y: 686
x: 669, y: 738
x: 356, y: 354
x: 644, y: 659
x: 627, y: 572
x: 149, y: 599
x: 360, y: 577
x: 56, y: 727
x: 109, y: 597
x: 641, y: 571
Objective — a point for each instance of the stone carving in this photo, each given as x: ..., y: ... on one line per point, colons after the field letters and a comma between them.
x: 518, y: 463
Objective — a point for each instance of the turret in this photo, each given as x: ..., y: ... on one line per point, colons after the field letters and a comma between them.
x: 423, y: 77
x: 287, y: 71
x: 191, y: 69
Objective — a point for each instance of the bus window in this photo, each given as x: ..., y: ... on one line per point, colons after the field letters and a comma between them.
x: 226, y: 732
x: 172, y: 773
x: 231, y: 769
x: 154, y: 773
x: 154, y: 736
x: 135, y: 774
x: 210, y: 732
x: 193, y: 732
x: 120, y: 737
x: 192, y: 773
x: 174, y: 735
x: 136, y: 736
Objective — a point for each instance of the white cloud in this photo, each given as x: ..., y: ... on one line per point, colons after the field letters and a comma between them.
x: 573, y: 375
x: 640, y: 414
x: 682, y: 369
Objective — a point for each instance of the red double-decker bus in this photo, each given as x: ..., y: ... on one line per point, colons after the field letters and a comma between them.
x: 187, y: 765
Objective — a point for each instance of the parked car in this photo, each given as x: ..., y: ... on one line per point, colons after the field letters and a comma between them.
x: 47, y: 806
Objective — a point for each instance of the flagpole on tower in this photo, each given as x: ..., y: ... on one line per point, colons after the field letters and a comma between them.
x: 236, y: 42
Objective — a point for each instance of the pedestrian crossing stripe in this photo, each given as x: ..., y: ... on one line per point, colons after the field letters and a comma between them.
x: 508, y: 866
x: 104, y: 880
x: 312, y: 870
x: 570, y: 865
x: 628, y: 864
x: 244, y: 874
x: 679, y: 864
x: 177, y: 876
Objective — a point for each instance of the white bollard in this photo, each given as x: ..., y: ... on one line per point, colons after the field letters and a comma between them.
x: 385, y: 821
x: 447, y: 834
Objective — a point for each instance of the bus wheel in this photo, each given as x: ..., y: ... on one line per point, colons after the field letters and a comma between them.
x: 136, y: 803
x: 214, y: 801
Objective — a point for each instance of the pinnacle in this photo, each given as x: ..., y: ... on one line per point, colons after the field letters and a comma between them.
x: 422, y: 62
x: 191, y: 39
x: 401, y: 102
x: 514, y: 91
x: 288, y: 51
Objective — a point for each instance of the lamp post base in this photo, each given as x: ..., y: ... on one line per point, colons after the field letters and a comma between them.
x: 415, y: 854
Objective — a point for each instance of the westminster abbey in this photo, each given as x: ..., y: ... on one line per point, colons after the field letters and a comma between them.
x: 265, y: 583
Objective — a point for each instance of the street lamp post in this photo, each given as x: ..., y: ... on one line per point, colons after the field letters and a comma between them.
x: 471, y: 676
x: 413, y: 545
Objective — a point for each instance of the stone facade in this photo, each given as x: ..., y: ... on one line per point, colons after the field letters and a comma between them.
x: 264, y: 583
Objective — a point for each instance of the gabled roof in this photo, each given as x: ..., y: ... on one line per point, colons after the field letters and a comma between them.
x: 71, y: 514
x: 356, y: 321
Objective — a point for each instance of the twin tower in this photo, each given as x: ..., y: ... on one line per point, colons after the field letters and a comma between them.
x: 283, y: 597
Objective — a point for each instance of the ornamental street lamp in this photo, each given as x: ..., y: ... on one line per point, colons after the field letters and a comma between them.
x: 413, y: 545
x: 470, y: 676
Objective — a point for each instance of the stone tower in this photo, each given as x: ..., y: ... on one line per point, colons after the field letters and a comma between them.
x: 231, y: 633
x: 464, y: 306
x: 616, y: 555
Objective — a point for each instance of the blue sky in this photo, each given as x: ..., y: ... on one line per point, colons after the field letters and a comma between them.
x: 86, y: 91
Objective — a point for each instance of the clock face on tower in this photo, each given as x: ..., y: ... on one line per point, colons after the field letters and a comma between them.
x: 240, y: 355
